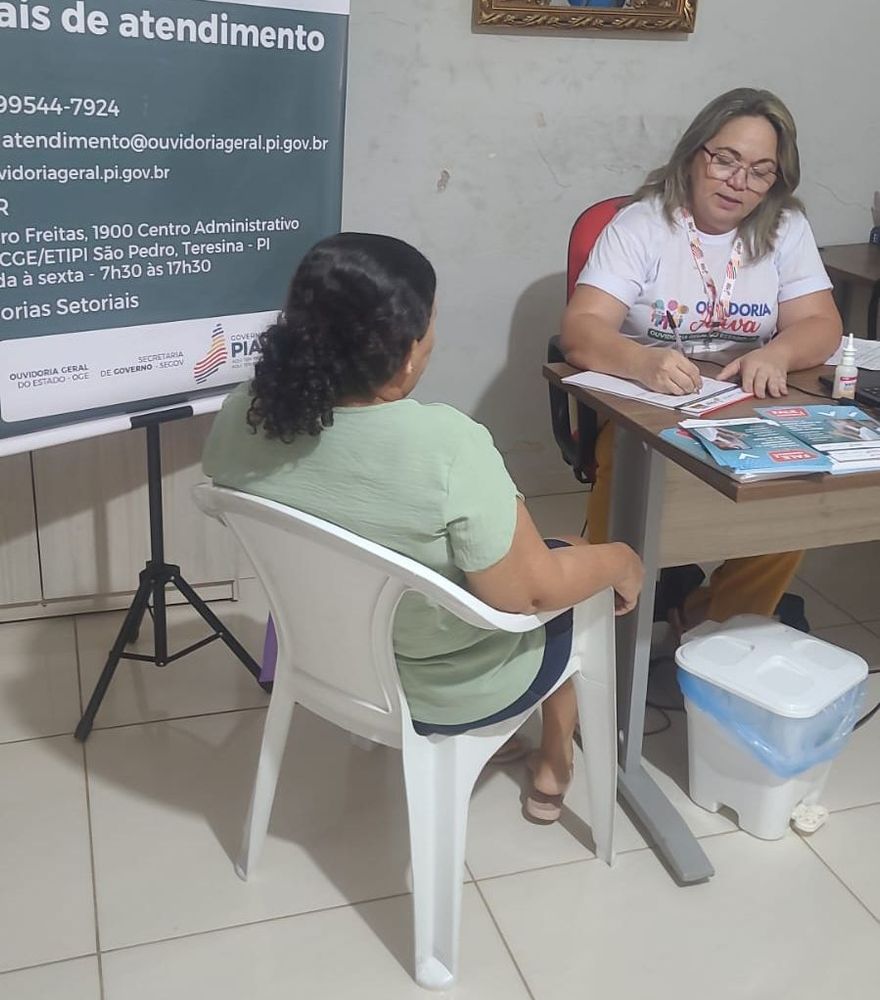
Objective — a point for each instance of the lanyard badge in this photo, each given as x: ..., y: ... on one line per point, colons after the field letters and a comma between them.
x: 719, y: 305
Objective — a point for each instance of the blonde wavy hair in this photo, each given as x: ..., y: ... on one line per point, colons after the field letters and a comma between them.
x: 671, y: 182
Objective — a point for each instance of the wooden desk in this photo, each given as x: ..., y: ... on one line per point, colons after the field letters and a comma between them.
x: 769, y: 516
x: 682, y: 510
x: 855, y: 263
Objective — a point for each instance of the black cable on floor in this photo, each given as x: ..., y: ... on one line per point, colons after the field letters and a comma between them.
x: 664, y: 708
x: 667, y: 722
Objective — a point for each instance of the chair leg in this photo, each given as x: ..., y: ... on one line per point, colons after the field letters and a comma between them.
x: 597, y: 709
x: 439, y: 777
x: 277, y: 727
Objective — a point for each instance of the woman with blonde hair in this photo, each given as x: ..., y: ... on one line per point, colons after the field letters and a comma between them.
x: 713, y: 250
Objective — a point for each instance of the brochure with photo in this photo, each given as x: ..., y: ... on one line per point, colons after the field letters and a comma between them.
x: 846, y: 434
x: 757, y: 447
x: 682, y: 438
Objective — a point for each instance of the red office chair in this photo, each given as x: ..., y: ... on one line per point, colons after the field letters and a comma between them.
x: 578, y: 446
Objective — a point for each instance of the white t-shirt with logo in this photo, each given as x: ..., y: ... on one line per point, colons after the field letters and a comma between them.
x: 646, y: 263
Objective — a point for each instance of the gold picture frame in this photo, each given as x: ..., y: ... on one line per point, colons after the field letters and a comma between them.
x: 559, y: 15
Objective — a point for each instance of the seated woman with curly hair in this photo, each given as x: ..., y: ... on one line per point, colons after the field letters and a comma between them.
x: 328, y: 426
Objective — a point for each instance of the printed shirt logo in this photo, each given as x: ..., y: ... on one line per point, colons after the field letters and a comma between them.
x: 742, y: 323
x: 215, y: 359
x: 659, y: 309
x: 659, y: 328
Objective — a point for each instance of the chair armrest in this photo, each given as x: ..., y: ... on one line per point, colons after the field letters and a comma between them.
x: 476, y: 612
x: 403, y: 573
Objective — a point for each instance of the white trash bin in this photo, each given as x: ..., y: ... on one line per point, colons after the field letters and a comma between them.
x: 768, y: 708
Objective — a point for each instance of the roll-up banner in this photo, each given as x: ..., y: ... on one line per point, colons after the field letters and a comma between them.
x: 164, y: 165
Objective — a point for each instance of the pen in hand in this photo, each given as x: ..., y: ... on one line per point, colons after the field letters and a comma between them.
x: 670, y: 319
x: 679, y: 346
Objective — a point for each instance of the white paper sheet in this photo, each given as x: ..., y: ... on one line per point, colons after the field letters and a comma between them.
x: 632, y: 390
x: 867, y: 354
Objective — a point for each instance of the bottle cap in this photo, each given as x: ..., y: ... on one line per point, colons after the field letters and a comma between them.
x: 849, y: 350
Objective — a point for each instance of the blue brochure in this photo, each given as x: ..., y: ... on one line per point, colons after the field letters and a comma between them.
x: 754, y: 448
x: 849, y: 437
x: 682, y: 438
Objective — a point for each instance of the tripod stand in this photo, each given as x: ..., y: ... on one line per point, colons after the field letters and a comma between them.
x: 154, y: 578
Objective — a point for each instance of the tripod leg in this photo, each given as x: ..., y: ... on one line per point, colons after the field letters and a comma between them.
x: 133, y: 617
x: 218, y: 626
x: 160, y: 621
x: 135, y: 632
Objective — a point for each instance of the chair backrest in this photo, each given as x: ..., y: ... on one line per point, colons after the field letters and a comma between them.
x: 578, y: 445
x: 333, y: 595
x: 584, y: 233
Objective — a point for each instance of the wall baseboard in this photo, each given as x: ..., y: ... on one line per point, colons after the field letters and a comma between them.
x: 225, y: 591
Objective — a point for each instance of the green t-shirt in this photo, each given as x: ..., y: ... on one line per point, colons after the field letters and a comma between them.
x: 426, y: 481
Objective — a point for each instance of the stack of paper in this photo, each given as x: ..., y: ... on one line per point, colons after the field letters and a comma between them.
x: 747, y: 449
x: 867, y: 354
x: 713, y: 394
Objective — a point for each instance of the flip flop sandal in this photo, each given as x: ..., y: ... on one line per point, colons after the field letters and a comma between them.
x: 542, y: 808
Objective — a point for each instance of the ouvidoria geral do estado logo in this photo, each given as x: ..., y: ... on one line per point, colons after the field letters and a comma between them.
x: 215, y: 359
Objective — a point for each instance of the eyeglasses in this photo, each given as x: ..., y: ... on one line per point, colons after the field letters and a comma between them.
x: 722, y: 166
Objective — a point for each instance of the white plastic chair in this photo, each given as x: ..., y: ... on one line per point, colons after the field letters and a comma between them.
x: 333, y: 595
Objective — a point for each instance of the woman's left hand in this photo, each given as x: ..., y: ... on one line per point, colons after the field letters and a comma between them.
x: 761, y: 372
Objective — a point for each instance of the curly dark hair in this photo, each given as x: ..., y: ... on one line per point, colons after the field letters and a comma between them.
x: 356, y: 304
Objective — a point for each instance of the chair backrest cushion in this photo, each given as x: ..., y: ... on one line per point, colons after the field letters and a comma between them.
x: 578, y: 444
x: 584, y: 233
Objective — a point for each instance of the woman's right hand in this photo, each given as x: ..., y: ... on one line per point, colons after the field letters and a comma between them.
x: 628, y: 586
x: 663, y: 369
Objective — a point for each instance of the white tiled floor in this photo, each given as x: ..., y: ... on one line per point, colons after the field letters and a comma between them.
x: 116, y: 879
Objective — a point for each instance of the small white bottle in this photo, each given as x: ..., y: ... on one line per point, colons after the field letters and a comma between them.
x: 846, y: 374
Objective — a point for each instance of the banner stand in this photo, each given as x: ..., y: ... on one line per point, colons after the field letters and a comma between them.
x: 154, y: 578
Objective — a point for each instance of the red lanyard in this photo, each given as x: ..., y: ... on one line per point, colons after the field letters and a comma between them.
x: 719, y: 305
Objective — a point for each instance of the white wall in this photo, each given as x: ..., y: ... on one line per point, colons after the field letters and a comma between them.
x: 531, y: 129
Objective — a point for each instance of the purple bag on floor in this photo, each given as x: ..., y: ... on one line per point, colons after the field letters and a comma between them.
x: 270, y: 653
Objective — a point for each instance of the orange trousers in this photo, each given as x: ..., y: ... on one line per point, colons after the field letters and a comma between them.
x: 752, y: 585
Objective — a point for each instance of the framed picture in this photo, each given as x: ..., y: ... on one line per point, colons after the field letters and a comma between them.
x: 587, y: 15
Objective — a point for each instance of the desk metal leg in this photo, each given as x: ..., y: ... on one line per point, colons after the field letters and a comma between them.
x: 638, y: 499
